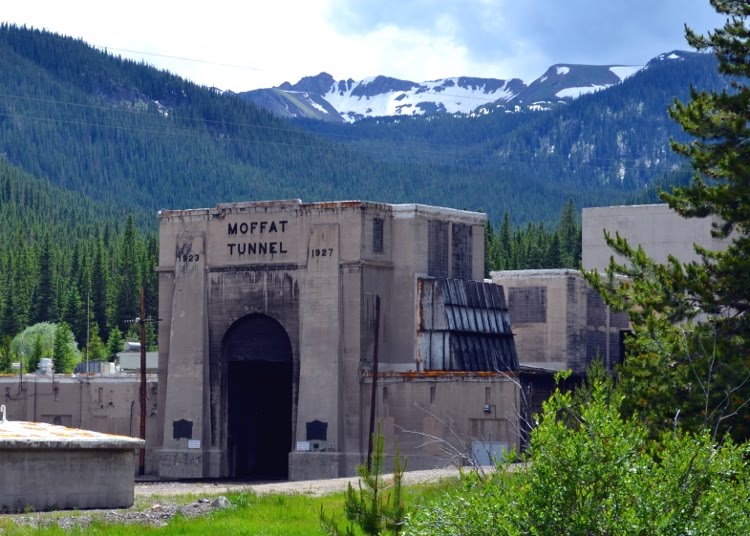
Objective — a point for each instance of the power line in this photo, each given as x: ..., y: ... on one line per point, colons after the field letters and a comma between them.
x: 181, y: 58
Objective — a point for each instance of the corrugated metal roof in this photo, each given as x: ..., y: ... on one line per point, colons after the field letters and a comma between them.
x: 476, y: 322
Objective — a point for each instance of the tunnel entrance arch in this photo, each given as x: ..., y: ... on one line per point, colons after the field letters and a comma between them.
x: 258, y: 358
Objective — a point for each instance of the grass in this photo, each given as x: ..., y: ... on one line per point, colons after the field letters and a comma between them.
x: 251, y: 515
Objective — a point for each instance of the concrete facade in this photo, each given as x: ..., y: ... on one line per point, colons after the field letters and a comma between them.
x: 268, y: 334
x: 44, y: 466
x: 657, y: 228
x: 560, y: 322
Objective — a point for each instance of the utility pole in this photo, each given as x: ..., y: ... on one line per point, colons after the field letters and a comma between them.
x: 374, y: 392
x: 141, y: 321
x: 142, y: 452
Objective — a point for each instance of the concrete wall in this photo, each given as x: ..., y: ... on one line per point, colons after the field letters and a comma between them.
x: 657, y: 228
x: 559, y: 322
x: 436, y: 417
x: 102, y: 404
x: 65, y: 478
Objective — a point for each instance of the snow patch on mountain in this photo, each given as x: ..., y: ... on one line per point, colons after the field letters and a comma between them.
x: 575, y: 92
x: 625, y: 71
x: 317, y: 106
x: 449, y: 95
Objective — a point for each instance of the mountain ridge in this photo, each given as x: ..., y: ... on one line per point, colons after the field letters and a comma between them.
x: 347, y: 100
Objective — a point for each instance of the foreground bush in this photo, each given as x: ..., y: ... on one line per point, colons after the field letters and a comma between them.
x: 592, y: 472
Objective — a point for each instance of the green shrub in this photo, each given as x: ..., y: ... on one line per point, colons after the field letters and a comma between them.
x: 592, y: 472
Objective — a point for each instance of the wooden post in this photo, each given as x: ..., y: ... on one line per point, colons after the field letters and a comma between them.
x: 374, y: 396
x: 142, y: 451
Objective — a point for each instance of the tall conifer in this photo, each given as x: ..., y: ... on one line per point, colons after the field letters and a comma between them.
x: 688, y: 359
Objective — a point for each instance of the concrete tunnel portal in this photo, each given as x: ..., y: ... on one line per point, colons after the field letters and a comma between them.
x: 259, y: 364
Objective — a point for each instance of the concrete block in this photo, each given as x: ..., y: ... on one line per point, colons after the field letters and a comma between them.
x: 44, y: 467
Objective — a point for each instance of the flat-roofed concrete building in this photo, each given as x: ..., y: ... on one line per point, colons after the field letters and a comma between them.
x: 657, y: 228
x: 268, y: 338
x: 560, y: 322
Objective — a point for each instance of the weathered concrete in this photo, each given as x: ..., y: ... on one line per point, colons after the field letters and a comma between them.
x: 657, y: 228
x: 559, y: 321
x: 44, y: 466
x: 268, y: 327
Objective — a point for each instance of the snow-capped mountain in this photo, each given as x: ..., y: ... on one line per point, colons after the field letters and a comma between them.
x: 322, y: 97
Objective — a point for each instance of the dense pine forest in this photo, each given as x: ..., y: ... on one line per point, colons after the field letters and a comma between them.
x: 92, y: 146
x: 62, y: 262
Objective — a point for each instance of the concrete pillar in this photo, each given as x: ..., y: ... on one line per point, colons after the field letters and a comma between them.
x: 185, y: 449
x: 320, y: 358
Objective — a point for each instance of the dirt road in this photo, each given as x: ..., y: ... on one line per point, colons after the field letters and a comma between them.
x: 308, y: 487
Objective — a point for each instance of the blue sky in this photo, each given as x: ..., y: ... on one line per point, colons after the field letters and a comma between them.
x: 251, y: 44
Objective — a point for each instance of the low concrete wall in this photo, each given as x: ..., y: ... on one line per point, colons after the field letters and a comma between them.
x: 44, y: 466
x: 42, y: 479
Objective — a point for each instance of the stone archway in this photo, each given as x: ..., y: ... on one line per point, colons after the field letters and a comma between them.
x: 257, y: 354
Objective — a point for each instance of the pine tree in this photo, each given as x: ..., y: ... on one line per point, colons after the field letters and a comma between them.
x: 505, y: 237
x: 687, y: 360
x: 96, y: 349
x: 555, y: 256
x: 129, y: 277
x: 45, y: 297
x: 37, y: 353
x: 377, y: 507
x: 5, y: 354
x: 569, y: 237
x: 115, y: 343
x: 63, y: 354
x: 74, y: 313
x: 489, y: 249
x: 99, y: 284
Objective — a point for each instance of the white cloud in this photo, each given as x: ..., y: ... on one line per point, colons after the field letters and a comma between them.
x: 244, y: 45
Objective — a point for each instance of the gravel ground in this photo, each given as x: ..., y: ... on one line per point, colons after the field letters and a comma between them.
x: 158, y: 502
x: 308, y: 487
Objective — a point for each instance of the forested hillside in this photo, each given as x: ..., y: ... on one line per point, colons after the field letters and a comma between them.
x: 67, y: 259
x: 113, y: 129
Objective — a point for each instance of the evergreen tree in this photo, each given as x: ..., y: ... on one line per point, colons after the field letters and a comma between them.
x: 115, y: 343
x: 128, y: 278
x: 687, y: 361
x: 96, y: 349
x: 554, y: 254
x: 377, y: 507
x: 5, y: 354
x: 45, y: 297
x: 505, y: 237
x: 74, y: 313
x: 37, y: 353
x: 490, y: 248
x: 99, y: 284
x: 63, y: 350
x: 569, y: 237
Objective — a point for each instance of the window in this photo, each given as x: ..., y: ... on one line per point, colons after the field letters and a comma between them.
x: 437, y: 248
x: 377, y: 235
x: 462, y: 251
